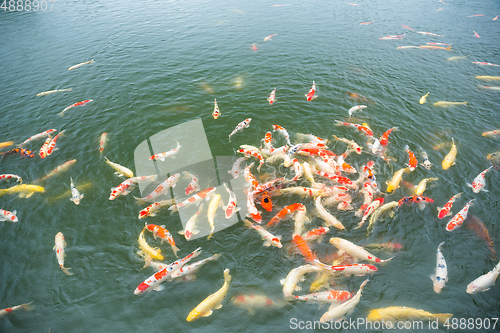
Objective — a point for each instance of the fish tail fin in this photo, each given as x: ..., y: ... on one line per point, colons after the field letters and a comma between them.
x: 443, y: 317
x: 210, y: 236
x: 216, y: 256
x: 175, y: 249
x: 28, y: 306
x: 338, y: 123
x: 140, y: 201
x: 227, y: 277
x: 147, y: 262
x: 449, y: 48
x: 66, y: 270
x: 383, y: 262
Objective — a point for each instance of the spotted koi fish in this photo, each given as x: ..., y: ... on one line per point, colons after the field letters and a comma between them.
x: 420, y: 200
x: 162, y: 156
x: 457, y: 220
x: 11, y: 176
x: 162, y: 233
x: 161, y: 189
x: 272, y: 98
x: 5, y: 215
x: 285, y: 213
x: 193, y: 185
x: 479, y: 182
x: 52, y: 144
x: 363, y: 129
x: 230, y: 209
x: 252, y: 153
x: 37, y: 136
x: 76, y: 104
x: 244, y: 124
x: 216, y: 112
x: 330, y: 296
x: 269, y: 239
x: 253, y: 212
x: 355, y: 250
x: 20, y: 151
x: 102, y: 142
x: 153, y: 208
x: 412, y: 162
x: 278, y: 128
x: 446, y: 209
x: 312, y: 92
x: 26, y: 307
x: 204, y: 194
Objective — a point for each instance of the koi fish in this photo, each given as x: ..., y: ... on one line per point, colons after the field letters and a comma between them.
x: 484, y: 282
x: 253, y: 153
x: 325, y: 215
x: 146, y: 250
x: 162, y: 233
x: 479, y: 182
x: 492, y: 133
x: 392, y: 37
x: 20, y: 151
x: 369, y: 210
x: 251, y: 302
x: 5, y: 215
x: 26, y: 307
x: 120, y: 170
x: 75, y: 195
x: 269, y: 238
x: 445, y: 211
x: 422, y: 185
x: 434, y: 47
x: 363, y: 23
x: 76, y: 104
x: 102, y: 142
x: 244, y: 124
x: 204, y: 194
x: 214, y: 301
x: 303, y: 247
x: 420, y: 200
x: 59, y: 248
x: 484, y: 63
x: 412, y: 163
x: 488, y: 78
x: 285, y: 213
x: 154, y: 281
x: 445, y: 104
x: 45, y: 146
x: 459, y: 218
x: 364, y: 129
x: 456, y: 58
x: 212, y: 208
x: 236, y: 169
x: 266, y: 202
x: 153, y: 208
x: 315, y: 233
x: 193, y: 185
x: 382, y: 209
x: 440, y: 277
x: 293, y: 277
x: 53, y: 91
x: 81, y: 64
x: 37, y: 137
x: 189, y: 229
x: 426, y: 163
x: 355, y: 250
x: 347, y: 270
x: 396, y: 179
x: 122, y: 189
x: 330, y: 296
x: 423, y: 99
x: 188, y: 272
x: 6, y: 144
x: 11, y: 176
x: 312, y: 92
x: 283, y: 131
x: 449, y: 159
x: 476, y: 34
x: 475, y: 224
x: 429, y: 33
x: 254, y: 47
x: 407, y: 47
x: 403, y: 313
x: 356, y: 108
x: 442, y: 44
x: 384, y: 140
x: 338, y: 312
x: 170, y: 153
x: 52, y: 144
x: 24, y: 190
x: 163, y: 188
x: 495, y: 18
x: 231, y: 208
x: 352, y: 144
x: 216, y: 112
x: 253, y: 212
x: 272, y: 98
x: 269, y: 37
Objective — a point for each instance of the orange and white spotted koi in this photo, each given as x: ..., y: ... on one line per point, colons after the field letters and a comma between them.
x: 153, y: 208
x: 339, y: 179
x: 354, y: 269
x: 193, y: 185
x: 45, y: 146
x: 412, y: 160
x: 163, y: 188
x: 479, y: 182
x: 122, y: 189
x: 312, y: 92
x: 369, y: 210
x: 204, y: 194
x: 457, y: 220
x: 272, y: 98
x: 25, y: 307
x: 250, y: 178
x: 159, y: 231
x: 240, y: 127
x: 231, y: 208
x: 269, y: 238
x: 315, y: 234
x: 330, y: 296
x: 285, y: 213
x: 5, y: 215
x: 446, y: 210
x: 364, y: 129
x: 59, y: 248
x: 102, y: 142
x: 384, y: 140
x: 52, y: 144
x: 355, y: 250
x: 163, y: 156
x: 268, y: 141
x: 476, y: 34
x: 278, y: 128
x: 351, y: 144
x: 252, y: 153
x: 216, y: 112
x: 76, y: 104
x: 154, y: 281
x: 253, y: 212
x: 37, y: 136
x: 188, y: 272
x: 11, y: 176
x: 298, y: 168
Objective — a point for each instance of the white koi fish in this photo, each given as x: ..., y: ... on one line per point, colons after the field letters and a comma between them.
x: 230, y: 209
x: 325, y: 215
x: 102, y: 142
x: 484, y: 282
x: 269, y: 238
x: 75, y: 195
x: 204, y: 194
x: 253, y: 212
x: 38, y: 136
x: 236, y: 169
x: 163, y: 188
x: 446, y: 209
x: 426, y: 163
x: 429, y: 33
x: 189, y: 229
x: 272, y: 98
x: 81, y: 64
x: 213, y: 301
x: 59, y: 248
x: 45, y: 93
x: 244, y: 124
x: 120, y: 170
x: 269, y: 37
x: 338, y: 312
x: 154, y: 281
x: 330, y: 296
x: 163, y: 156
x: 356, y: 108
x: 423, y: 99
x: 5, y: 215
x: 440, y: 277
x: 300, y: 219
x: 26, y: 307
x: 63, y: 167
x: 479, y: 182
x: 193, y: 185
x: 212, y: 209
x: 355, y: 250
x: 295, y: 275
x: 188, y: 272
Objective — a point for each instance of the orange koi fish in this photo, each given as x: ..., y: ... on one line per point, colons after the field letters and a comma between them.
x: 285, y: 213
x: 445, y: 211
x: 312, y: 93
x: 303, y: 248
x: 163, y: 234
x: 384, y: 140
x: 412, y: 163
x: 315, y: 233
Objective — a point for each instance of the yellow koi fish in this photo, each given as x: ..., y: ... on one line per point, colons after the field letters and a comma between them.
x: 423, y: 99
x: 396, y: 179
x: 213, y: 301
x: 449, y: 159
x: 24, y: 190
x: 488, y: 78
x: 146, y: 250
x: 6, y: 144
x: 120, y: 170
x: 423, y: 185
x: 402, y: 313
x: 445, y: 104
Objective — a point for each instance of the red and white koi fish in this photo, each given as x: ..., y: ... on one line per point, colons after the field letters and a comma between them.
x: 81, y: 64
x: 26, y: 307
x: 163, y: 156
x: 298, y: 169
x: 352, y: 144
x: 439, y: 44
x: 190, y: 228
x: 11, y: 176
x: 495, y: 18
x: 283, y: 131
x: 230, y: 209
x: 492, y: 88
x: 392, y: 37
x: 153, y: 208
x: 253, y: 212
x: 59, y: 248
x: 272, y: 98
x: 102, y: 142
x: 354, y: 269
x: 492, y: 133
x: 250, y: 178
x: 254, y: 47
x: 163, y: 234
x: 369, y: 210
x: 189, y: 271
x: 356, y: 108
x: 407, y: 27
x: 352, y: 4
x: 479, y: 182
x: 193, y: 185
x: 384, y: 140
x: 476, y: 34
x: 339, y: 179
x: 236, y: 169
x: 52, y: 144
x: 363, y: 23
x: 76, y: 104
x: 37, y: 136
x: 269, y: 238
x: 303, y: 191
x: 163, y: 188
x: 412, y: 160
x: 154, y: 281
x: 5, y: 215
x: 364, y: 129
x: 122, y: 189
x: 312, y: 93
x: 459, y: 218
x: 216, y: 112
x: 355, y: 250
x: 429, y: 33
x: 475, y: 15
x: 285, y: 213
x: 45, y: 146
x: 269, y: 37
x: 315, y: 233
x: 63, y: 167
x: 338, y: 312
x: 120, y: 169
x: 446, y: 210
x: 253, y: 153
x: 268, y: 141
x: 484, y: 63
x: 330, y: 296
x: 244, y: 124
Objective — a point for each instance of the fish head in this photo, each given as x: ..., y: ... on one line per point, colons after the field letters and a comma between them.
x: 472, y: 288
